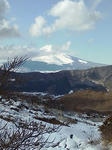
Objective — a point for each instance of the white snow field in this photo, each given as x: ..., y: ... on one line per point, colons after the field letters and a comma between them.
x: 82, y: 135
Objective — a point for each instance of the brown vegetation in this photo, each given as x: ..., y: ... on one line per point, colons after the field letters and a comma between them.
x: 50, y: 120
x: 86, y: 101
x: 106, y: 131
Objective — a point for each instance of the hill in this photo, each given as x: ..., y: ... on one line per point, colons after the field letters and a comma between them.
x: 99, y: 79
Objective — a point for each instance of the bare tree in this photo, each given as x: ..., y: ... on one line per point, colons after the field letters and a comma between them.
x: 23, y: 135
x: 7, y: 68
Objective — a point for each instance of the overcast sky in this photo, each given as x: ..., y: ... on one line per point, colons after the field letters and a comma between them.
x: 82, y: 28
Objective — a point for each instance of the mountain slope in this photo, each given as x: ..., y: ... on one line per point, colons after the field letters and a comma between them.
x: 99, y: 79
x: 64, y: 62
x: 17, y: 111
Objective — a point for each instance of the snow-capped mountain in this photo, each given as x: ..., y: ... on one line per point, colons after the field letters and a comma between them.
x: 52, y: 63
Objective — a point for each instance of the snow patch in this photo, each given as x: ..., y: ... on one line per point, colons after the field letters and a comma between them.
x: 12, y: 80
x: 48, y: 71
x: 71, y: 92
x: 83, y: 61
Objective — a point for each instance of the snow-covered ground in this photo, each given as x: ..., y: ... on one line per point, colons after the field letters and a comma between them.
x: 81, y: 135
x: 78, y: 136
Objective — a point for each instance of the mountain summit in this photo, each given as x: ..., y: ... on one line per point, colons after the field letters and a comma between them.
x: 52, y: 63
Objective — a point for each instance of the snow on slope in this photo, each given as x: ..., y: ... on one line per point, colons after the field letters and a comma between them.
x: 54, y: 55
x: 83, y: 135
x: 58, y: 59
x: 82, y: 61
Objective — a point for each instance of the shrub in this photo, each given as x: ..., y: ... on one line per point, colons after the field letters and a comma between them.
x: 28, y: 135
x: 106, y: 131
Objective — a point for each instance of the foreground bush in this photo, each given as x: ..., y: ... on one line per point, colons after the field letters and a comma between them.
x: 106, y: 131
x: 23, y: 135
x: 26, y: 136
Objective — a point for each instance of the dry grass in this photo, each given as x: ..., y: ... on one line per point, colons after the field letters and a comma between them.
x: 87, y: 101
x: 50, y: 120
x: 7, y: 118
x: 106, y: 132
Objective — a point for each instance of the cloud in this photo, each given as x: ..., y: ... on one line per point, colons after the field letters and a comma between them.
x: 55, y: 49
x: 57, y: 54
x: 37, y: 27
x: 96, y: 3
x: 68, y: 15
x: 4, y: 7
x: 11, y: 51
x: 6, y: 28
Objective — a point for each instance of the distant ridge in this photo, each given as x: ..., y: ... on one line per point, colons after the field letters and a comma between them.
x: 62, y: 82
x: 73, y: 63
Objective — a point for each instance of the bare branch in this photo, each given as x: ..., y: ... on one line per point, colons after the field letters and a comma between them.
x: 7, y: 68
x: 26, y: 136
